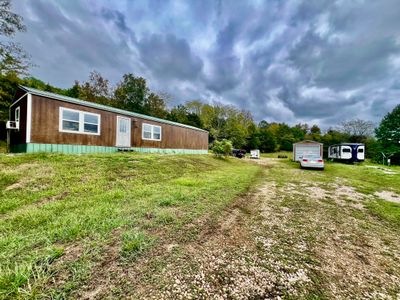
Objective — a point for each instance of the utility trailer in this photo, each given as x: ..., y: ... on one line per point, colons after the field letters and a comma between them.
x: 255, y: 154
x: 347, y: 152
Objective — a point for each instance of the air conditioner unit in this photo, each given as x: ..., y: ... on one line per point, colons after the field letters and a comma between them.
x: 12, y: 125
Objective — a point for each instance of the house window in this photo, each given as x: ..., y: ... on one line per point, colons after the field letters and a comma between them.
x: 76, y: 121
x: 17, y: 114
x: 151, y: 132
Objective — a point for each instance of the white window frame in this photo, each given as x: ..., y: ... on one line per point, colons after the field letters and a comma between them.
x: 81, y: 122
x: 152, y: 132
x: 19, y: 114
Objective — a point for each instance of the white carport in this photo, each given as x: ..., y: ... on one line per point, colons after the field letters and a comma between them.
x: 307, y: 147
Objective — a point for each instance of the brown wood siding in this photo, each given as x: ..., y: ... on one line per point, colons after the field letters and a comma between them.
x: 19, y: 136
x: 45, y: 129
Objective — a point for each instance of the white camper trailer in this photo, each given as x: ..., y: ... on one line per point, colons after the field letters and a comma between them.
x: 347, y: 152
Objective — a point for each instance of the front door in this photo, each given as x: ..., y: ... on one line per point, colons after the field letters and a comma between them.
x: 123, y: 132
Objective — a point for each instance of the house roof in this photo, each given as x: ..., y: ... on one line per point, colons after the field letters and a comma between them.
x: 102, y: 107
x: 308, y: 142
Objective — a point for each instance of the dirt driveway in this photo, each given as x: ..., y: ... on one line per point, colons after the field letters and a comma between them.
x: 294, y: 236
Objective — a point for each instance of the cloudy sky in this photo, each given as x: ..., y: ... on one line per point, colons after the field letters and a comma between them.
x: 294, y: 61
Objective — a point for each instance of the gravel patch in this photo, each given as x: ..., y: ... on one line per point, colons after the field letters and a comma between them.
x: 388, y: 196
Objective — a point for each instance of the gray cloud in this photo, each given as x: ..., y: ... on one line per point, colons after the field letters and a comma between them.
x: 287, y: 61
x: 169, y: 57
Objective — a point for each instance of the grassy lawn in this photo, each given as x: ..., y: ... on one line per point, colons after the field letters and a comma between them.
x: 3, y: 147
x: 173, y: 226
x: 59, y: 213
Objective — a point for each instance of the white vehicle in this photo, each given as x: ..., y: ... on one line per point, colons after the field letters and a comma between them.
x: 312, y: 161
x: 347, y: 152
x: 255, y: 154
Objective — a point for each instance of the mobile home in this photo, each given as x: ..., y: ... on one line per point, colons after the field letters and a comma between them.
x: 43, y: 121
x: 347, y: 152
x: 306, y: 148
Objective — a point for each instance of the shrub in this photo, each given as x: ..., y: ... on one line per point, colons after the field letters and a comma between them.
x: 222, y: 148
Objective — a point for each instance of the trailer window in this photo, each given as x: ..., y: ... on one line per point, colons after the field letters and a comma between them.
x: 90, y: 123
x: 151, y: 132
x: 17, y: 113
x: 76, y: 121
x: 360, y: 150
x: 346, y: 150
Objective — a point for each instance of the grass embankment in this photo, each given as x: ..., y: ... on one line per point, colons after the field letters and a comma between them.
x: 59, y: 212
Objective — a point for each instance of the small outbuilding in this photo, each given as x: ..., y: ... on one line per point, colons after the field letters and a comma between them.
x: 306, y: 147
x: 42, y: 121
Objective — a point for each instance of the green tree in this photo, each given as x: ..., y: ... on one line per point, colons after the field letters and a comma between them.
x: 97, y: 89
x: 267, y: 141
x: 12, y: 57
x: 315, y: 129
x: 155, y: 106
x: 304, y: 128
x: 253, y: 140
x: 178, y: 114
x: 373, y: 149
x: 195, y: 107
x: 283, y: 135
x: 194, y: 120
x: 388, y: 134
x: 286, y: 142
x: 131, y: 93
x: 8, y: 87
x: 298, y: 133
x: 73, y: 91
x: 263, y: 124
x: 40, y: 85
x: 237, y: 126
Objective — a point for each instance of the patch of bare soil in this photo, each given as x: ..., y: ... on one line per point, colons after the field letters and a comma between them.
x: 384, y: 170
x: 60, y: 274
x: 266, y: 161
x: 388, y: 196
